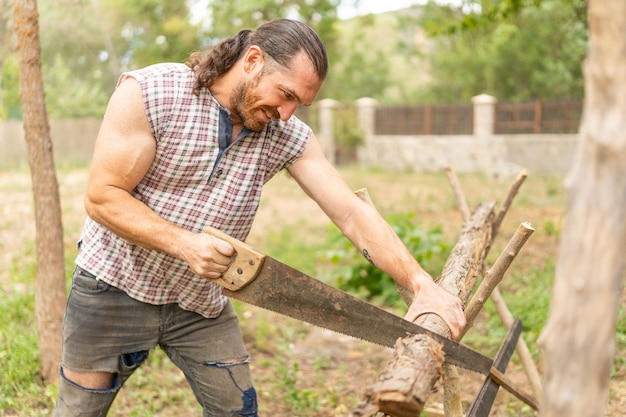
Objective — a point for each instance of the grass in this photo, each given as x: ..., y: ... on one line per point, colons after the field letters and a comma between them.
x: 298, y: 371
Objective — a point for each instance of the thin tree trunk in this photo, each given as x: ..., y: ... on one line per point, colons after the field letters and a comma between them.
x: 50, y: 292
x: 579, y: 339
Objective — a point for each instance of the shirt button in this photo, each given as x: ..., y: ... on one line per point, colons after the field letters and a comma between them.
x: 219, y: 172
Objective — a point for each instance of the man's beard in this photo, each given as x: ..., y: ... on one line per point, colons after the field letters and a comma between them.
x: 242, y: 101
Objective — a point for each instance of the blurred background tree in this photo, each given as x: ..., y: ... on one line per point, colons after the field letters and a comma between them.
x: 515, y: 50
x: 429, y: 53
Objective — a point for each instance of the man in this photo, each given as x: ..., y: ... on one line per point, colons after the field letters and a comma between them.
x: 183, y: 147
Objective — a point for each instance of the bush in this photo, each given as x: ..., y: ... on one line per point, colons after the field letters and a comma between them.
x: 354, y: 274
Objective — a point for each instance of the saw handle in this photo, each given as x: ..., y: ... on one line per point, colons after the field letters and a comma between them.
x: 245, y: 265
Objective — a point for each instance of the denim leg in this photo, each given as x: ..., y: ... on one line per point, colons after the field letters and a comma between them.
x: 74, y: 400
x: 104, y: 331
x: 212, y: 355
x: 107, y: 331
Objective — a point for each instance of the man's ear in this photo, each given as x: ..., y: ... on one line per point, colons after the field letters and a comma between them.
x: 253, y: 59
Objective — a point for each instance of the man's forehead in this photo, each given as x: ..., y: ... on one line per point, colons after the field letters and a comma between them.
x: 301, y: 79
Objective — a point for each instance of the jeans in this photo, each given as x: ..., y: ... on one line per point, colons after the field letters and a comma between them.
x: 105, y: 330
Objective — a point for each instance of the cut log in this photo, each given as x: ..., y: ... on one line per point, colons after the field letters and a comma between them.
x: 405, y: 384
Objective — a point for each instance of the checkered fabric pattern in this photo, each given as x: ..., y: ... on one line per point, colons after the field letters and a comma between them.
x: 190, y: 187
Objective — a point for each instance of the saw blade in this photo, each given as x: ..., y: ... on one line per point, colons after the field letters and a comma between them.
x: 278, y: 287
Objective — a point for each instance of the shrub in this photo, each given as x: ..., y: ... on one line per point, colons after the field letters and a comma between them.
x: 353, y: 273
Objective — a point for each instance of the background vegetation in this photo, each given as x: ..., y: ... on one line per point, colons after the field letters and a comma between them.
x: 301, y: 370
x: 429, y: 53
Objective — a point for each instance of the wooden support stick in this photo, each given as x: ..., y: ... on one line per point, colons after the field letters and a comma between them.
x: 522, y: 348
x: 501, y: 379
x: 458, y: 193
x: 519, y: 180
x: 452, y: 406
x: 493, y: 277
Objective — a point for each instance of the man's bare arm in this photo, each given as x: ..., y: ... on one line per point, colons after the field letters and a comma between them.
x: 124, y: 151
x: 373, y: 236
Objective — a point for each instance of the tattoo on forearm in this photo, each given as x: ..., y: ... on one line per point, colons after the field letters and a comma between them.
x: 367, y: 256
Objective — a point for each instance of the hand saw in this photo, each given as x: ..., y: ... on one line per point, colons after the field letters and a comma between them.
x: 260, y: 280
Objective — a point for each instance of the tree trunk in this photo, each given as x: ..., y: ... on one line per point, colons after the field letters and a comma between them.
x: 50, y: 292
x: 579, y: 338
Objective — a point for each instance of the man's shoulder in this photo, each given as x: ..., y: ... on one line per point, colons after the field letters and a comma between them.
x: 290, y: 127
x: 161, y: 70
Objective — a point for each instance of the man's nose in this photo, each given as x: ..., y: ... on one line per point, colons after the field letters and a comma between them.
x: 287, y: 110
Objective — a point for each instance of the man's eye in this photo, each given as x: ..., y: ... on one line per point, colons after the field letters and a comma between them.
x: 287, y: 95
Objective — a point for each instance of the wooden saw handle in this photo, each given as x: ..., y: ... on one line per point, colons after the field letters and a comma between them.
x: 245, y: 266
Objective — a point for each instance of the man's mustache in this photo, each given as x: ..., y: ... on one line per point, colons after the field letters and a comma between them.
x: 271, y: 112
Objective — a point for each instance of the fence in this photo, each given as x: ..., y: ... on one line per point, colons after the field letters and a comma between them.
x: 469, y: 138
x: 457, y: 119
x: 538, y: 117
x: 453, y: 119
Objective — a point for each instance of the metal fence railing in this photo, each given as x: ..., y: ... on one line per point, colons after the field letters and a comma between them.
x: 538, y: 117
x: 452, y: 119
x: 457, y: 119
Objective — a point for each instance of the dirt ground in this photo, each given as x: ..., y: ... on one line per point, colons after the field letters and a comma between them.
x: 342, y: 366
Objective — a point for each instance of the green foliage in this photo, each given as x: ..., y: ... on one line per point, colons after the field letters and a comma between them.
x: 620, y: 335
x: 507, y: 48
x: 291, y: 250
x: 153, y: 31
x: 19, y: 359
x: 550, y: 228
x: 69, y: 96
x: 230, y: 16
x: 362, y: 68
x: 513, y: 49
x: 86, y: 45
x: 354, y: 274
x: 11, y: 104
x: 346, y: 129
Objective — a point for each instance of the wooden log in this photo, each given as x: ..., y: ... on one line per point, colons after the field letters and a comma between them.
x: 452, y: 385
x: 403, y: 387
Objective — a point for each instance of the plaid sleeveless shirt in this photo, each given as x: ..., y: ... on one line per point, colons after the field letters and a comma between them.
x: 191, y: 184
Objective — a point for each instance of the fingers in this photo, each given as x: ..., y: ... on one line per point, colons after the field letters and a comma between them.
x: 223, y: 248
x: 435, y: 300
x: 455, y: 324
x: 208, y: 256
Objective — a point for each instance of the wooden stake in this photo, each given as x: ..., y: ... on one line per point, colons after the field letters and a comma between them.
x: 504, y: 208
x: 522, y: 348
x: 458, y: 193
x: 493, y: 277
